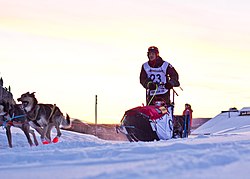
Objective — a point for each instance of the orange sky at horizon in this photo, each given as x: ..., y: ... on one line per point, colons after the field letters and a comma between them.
x: 70, y: 51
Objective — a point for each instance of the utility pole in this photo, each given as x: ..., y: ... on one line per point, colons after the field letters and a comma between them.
x: 96, y: 115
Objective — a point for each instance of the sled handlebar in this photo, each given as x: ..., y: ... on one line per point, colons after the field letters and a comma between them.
x: 163, y: 84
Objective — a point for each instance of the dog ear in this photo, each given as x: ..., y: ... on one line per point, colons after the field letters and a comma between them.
x: 33, y: 94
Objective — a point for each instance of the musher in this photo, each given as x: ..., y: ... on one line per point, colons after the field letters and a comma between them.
x: 158, y: 77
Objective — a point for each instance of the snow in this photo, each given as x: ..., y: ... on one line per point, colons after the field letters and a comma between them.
x: 224, y: 155
x: 230, y: 121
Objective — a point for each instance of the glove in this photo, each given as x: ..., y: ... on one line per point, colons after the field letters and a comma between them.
x: 151, y: 85
x: 168, y: 86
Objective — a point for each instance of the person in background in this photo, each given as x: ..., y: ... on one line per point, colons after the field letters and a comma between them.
x: 158, y: 77
x: 187, y: 113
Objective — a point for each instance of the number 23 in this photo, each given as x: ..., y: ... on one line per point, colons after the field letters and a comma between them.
x: 156, y: 78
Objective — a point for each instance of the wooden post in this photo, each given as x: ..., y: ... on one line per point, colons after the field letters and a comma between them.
x: 96, y: 115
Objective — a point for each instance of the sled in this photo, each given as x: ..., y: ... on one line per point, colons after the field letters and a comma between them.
x: 147, y: 123
x: 151, y: 122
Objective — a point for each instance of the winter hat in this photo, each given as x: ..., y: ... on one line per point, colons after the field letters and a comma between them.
x: 153, y: 49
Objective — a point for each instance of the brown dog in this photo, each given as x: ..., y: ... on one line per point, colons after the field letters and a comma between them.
x: 43, y: 117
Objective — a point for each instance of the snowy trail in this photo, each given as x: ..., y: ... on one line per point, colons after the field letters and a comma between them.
x: 85, y: 156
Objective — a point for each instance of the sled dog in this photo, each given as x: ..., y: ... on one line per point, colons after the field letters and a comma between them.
x: 43, y: 116
x: 12, y: 115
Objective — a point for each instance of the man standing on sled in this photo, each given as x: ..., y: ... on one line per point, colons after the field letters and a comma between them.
x: 155, y: 120
x: 158, y: 77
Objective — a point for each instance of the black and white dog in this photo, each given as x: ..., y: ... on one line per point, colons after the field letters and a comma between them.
x: 43, y: 116
x: 13, y: 115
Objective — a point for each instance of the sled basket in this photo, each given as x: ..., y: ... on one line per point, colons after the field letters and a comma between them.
x: 138, y: 123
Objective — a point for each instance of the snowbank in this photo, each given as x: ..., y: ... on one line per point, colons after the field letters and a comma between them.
x: 85, y: 156
x: 232, y: 121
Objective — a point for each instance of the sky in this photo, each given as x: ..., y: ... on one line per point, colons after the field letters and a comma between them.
x: 69, y: 51
x: 85, y: 156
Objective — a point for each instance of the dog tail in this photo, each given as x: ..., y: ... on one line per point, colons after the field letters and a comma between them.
x: 66, y: 122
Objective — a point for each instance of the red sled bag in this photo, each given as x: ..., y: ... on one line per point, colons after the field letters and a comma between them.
x: 147, y: 123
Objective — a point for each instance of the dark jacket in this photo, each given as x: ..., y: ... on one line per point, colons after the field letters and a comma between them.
x: 171, y: 75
